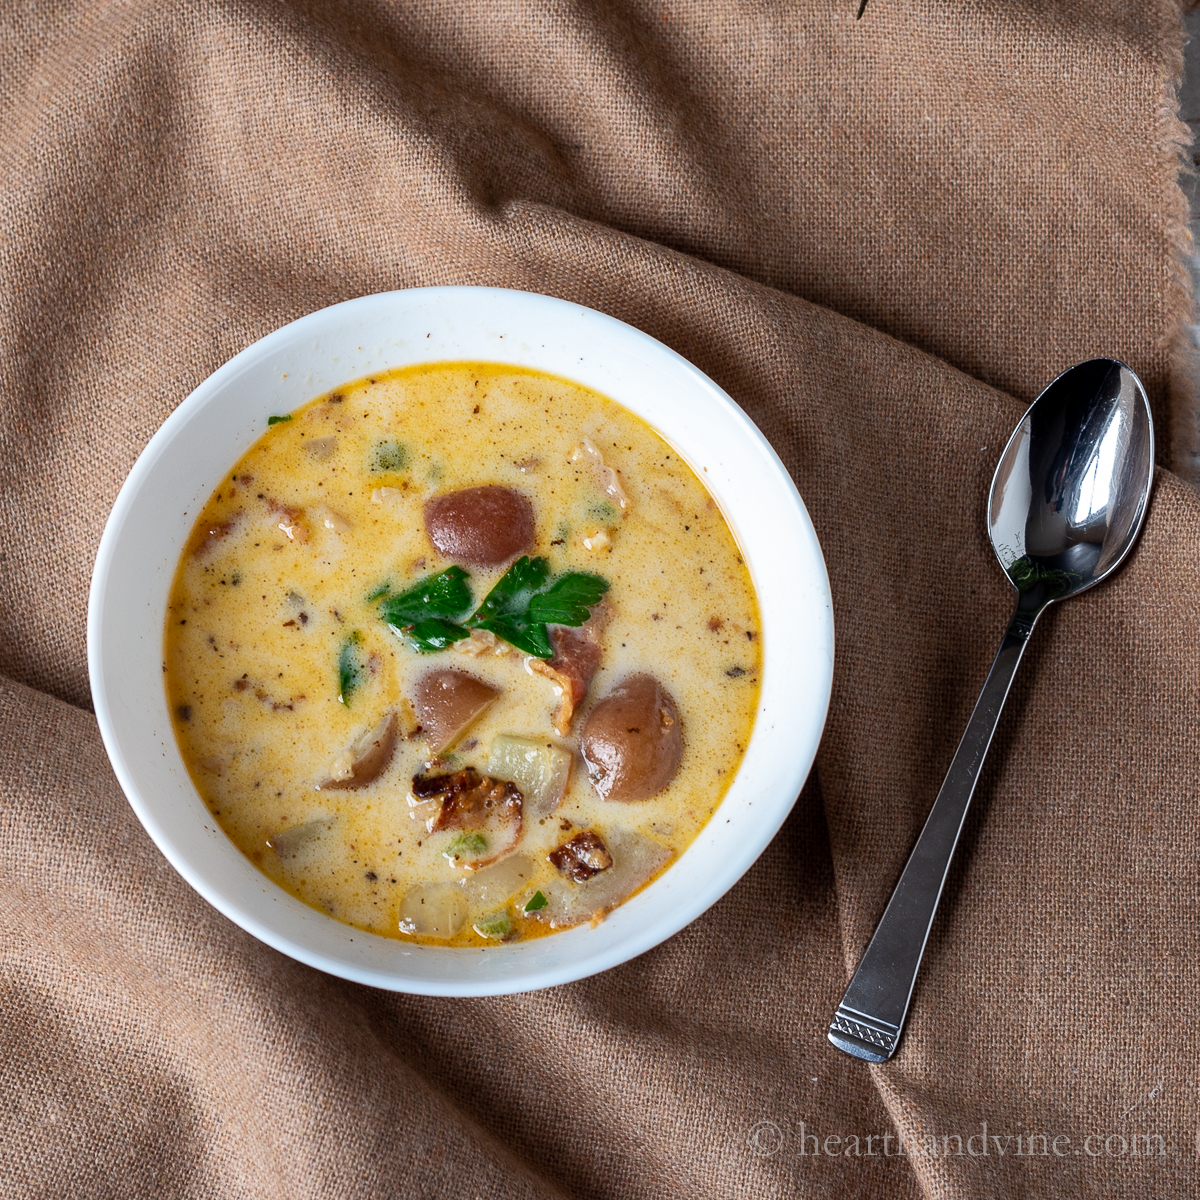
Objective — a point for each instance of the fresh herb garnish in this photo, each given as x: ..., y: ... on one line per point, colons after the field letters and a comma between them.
x: 466, y: 845
x: 378, y: 594
x: 536, y: 901
x: 568, y: 600
x: 520, y: 606
x: 505, y: 609
x: 277, y: 420
x: 517, y: 609
x: 350, y: 668
x: 425, y: 613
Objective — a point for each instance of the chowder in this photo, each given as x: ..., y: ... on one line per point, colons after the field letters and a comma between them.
x: 462, y: 653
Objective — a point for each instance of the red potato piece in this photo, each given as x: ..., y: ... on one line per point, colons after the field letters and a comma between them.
x: 632, y: 741
x: 446, y: 701
x: 577, y: 653
x: 370, y: 756
x: 480, y: 526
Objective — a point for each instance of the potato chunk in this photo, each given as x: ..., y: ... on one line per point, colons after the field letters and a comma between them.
x: 366, y: 759
x: 436, y: 910
x: 446, y: 701
x: 635, y: 860
x: 631, y: 741
x: 480, y: 526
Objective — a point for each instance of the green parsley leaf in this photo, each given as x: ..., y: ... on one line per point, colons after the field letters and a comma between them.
x: 533, y: 639
x: 536, y: 901
x: 350, y: 668
x: 568, y: 600
x: 505, y: 609
x: 511, y: 595
x: 379, y: 593
x: 520, y: 606
x: 424, y: 614
x: 433, y: 634
x: 277, y: 420
x: 518, y: 609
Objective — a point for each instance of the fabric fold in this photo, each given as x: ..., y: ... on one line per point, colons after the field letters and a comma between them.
x: 881, y: 238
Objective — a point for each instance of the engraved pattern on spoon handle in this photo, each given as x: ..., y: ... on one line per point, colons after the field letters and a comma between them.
x: 871, y: 1015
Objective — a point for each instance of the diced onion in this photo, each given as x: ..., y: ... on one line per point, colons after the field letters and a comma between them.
x: 335, y: 521
x: 295, y: 531
x: 607, y: 479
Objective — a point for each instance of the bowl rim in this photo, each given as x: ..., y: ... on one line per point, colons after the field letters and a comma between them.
x: 113, y: 723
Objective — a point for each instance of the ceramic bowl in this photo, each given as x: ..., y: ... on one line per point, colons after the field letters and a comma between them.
x: 208, y: 432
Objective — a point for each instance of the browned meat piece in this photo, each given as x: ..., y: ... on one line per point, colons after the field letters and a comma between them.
x: 475, y: 803
x: 205, y: 539
x: 577, y: 653
x: 446, y: 701
x: 466, y: 797
x: 480, y: 526
x: 631, y: 741
x: 364, y: 762
x: 288, y: 520
x: 582, y: 857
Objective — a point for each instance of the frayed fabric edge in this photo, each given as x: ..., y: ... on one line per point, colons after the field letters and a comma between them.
x: 1175, y: 141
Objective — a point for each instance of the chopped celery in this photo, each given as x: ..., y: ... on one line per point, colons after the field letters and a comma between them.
x: 494, y: 925
x: 467, y: 845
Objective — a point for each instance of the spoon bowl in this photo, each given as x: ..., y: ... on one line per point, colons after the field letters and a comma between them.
x: 1070, y: 490
x: 1066, y: 506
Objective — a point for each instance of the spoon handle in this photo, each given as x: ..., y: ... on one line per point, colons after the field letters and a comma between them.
x: 871, y: 1015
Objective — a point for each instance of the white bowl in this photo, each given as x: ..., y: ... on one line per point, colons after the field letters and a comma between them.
x: 210, y: 430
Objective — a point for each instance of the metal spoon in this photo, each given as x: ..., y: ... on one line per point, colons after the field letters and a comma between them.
x: 1066, y: 506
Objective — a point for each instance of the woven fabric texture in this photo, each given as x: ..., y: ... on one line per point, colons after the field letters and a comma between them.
x: 882, y: 238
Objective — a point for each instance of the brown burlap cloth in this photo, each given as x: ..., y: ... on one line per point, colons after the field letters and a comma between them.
x: 881, y: 238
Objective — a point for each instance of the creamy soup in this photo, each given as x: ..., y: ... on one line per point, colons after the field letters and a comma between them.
x: 462, y: 653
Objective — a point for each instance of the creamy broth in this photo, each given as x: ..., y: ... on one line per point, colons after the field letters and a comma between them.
x: 279, y: 664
